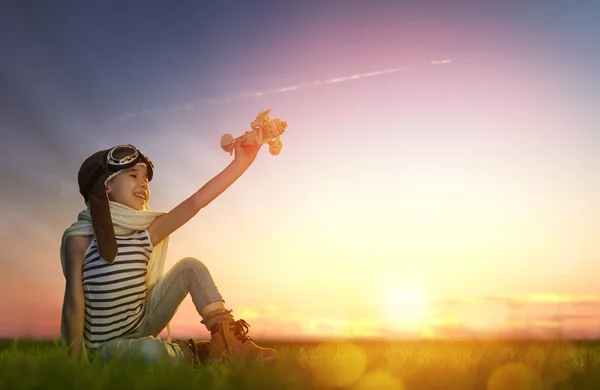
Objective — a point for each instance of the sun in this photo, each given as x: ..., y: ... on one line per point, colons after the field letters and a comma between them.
x: 406, y: 308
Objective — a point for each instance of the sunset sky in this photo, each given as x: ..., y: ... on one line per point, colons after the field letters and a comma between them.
x: 441, y: 160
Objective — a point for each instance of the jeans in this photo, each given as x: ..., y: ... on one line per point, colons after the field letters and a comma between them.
x: 189, y: 275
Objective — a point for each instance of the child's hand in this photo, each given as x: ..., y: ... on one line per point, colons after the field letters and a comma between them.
x: 245, y: 155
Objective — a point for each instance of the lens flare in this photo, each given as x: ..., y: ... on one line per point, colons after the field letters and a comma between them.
x: 515, y: 376
x: 338, y: 364
x: 378, y: 380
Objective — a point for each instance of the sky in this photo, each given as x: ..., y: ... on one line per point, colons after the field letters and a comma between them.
x: 439, y: 175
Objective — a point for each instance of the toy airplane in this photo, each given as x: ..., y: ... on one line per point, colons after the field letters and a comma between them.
x: 264, y: 130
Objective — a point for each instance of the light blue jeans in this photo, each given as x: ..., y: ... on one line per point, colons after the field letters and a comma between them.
x: 189, y: 275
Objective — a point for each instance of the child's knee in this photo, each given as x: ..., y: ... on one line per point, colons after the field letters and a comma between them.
x: 194, y: 264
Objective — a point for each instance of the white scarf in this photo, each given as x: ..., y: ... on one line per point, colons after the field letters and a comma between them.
x: 125, y: 221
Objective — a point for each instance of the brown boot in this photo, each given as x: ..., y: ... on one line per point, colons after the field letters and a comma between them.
x: 199, y: 350
x: 230, y: 341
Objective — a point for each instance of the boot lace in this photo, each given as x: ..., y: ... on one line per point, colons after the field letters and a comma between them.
x: 241, y: 331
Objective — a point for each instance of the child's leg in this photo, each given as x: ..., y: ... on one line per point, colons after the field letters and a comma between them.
x: 148, y: 350
x: 191, y: 276
x: 228, y: 337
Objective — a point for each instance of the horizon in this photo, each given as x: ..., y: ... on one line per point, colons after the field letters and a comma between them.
x: 536, y: 317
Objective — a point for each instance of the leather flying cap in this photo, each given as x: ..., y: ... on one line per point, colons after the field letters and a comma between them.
x: 91, y: 177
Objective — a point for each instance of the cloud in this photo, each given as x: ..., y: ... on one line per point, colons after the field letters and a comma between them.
x: 557, y: 298
x: 516, y: 316
x: 188, y: 106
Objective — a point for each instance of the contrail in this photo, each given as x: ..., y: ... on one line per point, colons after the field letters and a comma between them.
x: 189, y: 106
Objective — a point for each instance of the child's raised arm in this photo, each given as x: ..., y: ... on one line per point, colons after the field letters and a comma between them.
x: 166, y: 224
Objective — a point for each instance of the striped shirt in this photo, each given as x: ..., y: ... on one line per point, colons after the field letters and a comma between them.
x: 115, y: 293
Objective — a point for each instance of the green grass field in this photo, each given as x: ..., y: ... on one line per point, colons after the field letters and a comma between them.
x: 419, y: 365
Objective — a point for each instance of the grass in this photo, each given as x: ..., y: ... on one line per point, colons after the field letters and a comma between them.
x: 359, y: 365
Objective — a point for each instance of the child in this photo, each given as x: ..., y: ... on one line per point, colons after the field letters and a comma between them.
x: 117, y: 300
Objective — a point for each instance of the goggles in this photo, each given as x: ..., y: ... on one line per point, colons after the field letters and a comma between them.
x: 126, y: 156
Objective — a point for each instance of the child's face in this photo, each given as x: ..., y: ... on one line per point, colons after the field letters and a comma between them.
x: 130, y: 188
